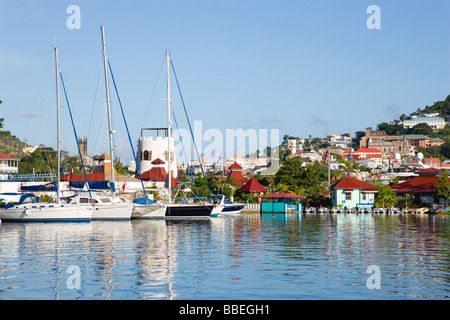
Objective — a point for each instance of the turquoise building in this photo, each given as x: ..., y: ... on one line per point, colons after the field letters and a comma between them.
x: 353, y: 193
x: 281, y: 203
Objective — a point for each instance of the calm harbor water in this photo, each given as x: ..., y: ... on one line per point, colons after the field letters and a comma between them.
x: 233, y: 257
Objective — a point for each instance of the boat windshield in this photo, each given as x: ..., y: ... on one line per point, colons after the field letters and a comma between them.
x: 28, y: 198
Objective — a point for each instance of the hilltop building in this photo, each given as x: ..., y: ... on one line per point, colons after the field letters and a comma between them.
x: 433, y: 122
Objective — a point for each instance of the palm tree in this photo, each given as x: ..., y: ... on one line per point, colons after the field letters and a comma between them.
x: 348, y: 167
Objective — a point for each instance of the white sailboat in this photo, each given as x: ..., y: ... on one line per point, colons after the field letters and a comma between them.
x: 109, y: 207
x: 105, y: 207
x: 30, y: 208
x: 148, y: 211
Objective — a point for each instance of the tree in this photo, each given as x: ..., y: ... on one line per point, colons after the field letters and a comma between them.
x: 442, y: 188
x: 422, y: 128
x: 385, y: 196
x: 359, y: 134
x: 307, y: 181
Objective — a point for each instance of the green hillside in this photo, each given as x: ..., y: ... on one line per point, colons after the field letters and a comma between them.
x: 443, y: 107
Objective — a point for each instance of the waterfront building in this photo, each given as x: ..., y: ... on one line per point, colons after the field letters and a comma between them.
x: 8, y: 166
x: 349, y: 193
x: 421, y: 186
x: 158, y: 173
x: 281, y: 203
x: 152, y: 148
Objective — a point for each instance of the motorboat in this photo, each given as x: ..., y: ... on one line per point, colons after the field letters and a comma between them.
x: 229, y: 206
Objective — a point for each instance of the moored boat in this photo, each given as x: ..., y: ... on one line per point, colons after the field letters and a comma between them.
x: 105, y: 207
x: 30, y: 209
x: 148, y: 209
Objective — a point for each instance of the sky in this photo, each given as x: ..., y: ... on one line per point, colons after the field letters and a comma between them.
x: 293, y: 67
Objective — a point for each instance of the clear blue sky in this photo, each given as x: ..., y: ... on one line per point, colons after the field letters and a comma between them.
x: 303, y: 67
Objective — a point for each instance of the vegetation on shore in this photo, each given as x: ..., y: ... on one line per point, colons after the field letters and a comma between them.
x: 292, y: 176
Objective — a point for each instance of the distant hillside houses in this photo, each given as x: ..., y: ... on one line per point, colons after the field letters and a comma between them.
x: 404, y: 145
x: 339, y: 141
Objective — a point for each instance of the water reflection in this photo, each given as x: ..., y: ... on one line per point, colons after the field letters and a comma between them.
x: 249, y: 256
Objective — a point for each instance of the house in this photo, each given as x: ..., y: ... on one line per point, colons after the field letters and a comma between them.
x: 349, y: 192
x: 370, y: 154
x: 421, y: 186
x: 8, y: 166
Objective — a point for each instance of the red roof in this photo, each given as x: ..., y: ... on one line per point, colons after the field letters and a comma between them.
x: 282, y: 195
x: 417, y: 185
x: 430, y: 171
x: 368, y: 150
x: 158, y: 174
x: 155, y: 174
x: 6, y: 157
x: 237, y: 176
x: 235, y: 165
x: 157, y: 161
x: 253, y: 185
x: 352, y: 183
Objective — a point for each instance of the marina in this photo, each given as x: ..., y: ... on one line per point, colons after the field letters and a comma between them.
x: 247, y: 156
x: 248, y: 256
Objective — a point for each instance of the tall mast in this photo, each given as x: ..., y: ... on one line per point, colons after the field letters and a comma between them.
x: 328, y: 165
x: 108, y: 109
x: 169, y: 126
x: 58, y: 136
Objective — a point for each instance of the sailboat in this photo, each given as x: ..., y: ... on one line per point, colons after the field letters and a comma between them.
x: 30, y: 208
x: 108, y: 207
x: 200, y: 209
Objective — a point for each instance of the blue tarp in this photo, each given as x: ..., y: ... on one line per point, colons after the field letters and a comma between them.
x: 40, y: 188
x: 103, y: 185
x: 143, y: 201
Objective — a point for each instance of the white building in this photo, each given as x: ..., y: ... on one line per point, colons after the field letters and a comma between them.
x: 433, y: 122
x: 249, y: 163
x: 152, y: 148
x: 8, y: 166
x: 337, y: 140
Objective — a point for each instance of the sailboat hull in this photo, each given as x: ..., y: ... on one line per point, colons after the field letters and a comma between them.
x: 192, y: 211
x: 151, y: 211
x: 39, y: 212
x: 112, y: 211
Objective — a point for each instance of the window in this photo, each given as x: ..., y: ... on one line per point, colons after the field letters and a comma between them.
x: 348, y: 196
x: 146, y: 155
x: 84, y: 200
x: 364, y: 196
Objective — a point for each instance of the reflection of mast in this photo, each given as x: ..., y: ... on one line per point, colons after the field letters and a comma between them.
x: 170, y: 269
x: 156, y: 259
